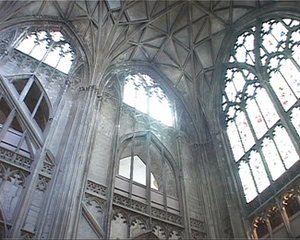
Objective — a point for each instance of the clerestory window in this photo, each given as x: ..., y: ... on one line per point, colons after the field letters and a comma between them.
x: 135, y: 169
x: 49, y: 47
x: 145, y: 95
x: 261, y: 102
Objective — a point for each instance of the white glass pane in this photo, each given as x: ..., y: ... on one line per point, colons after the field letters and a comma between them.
x: 282, y: 90
x: 267, y: 107
x: 230, y: 91
x: 279, y: 31
x: 256, y: 118
x: 27, y: 44
x: 154, y: 183
x: 244, y: 130
x: 139, y: 171
x: 129, y: 94
x: 65, y: 63
x: 259, y: 172
x: 285, y: 146
x: 39, y: 50
x: 57, y: 36
x: 247, y: 182
x: 295, y: 116
x: 124, y: 167
x: 141, y: 100
x: 291, y: 75
x: 161, y: 110
x: 269, y: 42
x: 238, y: 81
x: 235, y: 142
x: 53, y: 57
x: 272, y: 158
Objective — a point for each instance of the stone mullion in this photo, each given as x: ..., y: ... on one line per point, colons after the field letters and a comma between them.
x: 257, y: 143
x: 19, y: 144
x: 263, y: 78
x: 7, y: 123
x: 37, y: 105
x: 279, y: 154
x: 132, y: 142
x: 261, y: 113
x: 284, y: 116
x: 253, y: 178
x: 163, y: 170
x: 148, y: 174
x: 26, y: 89
x: 287, y: 83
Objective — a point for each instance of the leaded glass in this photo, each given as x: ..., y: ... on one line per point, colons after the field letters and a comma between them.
x: 285, y: 147
x: 258, y: 170
x: 142, y: 93
x: 49, y: 47
x: 261, y: 95
x: 235, y: 141
x: 244, y: 130
x: 247, y: 181
x: 272, y: 158
x: 295, y: 119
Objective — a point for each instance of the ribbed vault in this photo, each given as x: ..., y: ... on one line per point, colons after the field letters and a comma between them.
x: 181, y: 39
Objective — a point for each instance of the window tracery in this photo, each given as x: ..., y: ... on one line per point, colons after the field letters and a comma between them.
x: 261, y: 102
x: 49, y: 47
x: 145, y: 95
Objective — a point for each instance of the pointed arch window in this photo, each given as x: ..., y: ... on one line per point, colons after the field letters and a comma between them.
x: 261, y: 102
x: 49, y: 47
x: 144, y: 94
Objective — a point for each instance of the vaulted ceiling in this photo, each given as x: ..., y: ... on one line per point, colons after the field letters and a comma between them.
x: 180, y: 39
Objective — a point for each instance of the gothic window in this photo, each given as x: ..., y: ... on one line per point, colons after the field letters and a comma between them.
x: 135, y: 169
x: 30, y: 92
x: 145, y: 95
x: 49, y: 47
x: 145, y: 174
x: 12, y: 136
x: 261, y: 102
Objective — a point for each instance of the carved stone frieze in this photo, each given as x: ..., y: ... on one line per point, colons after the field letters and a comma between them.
x: 25, y: 235
x: 198, y: 235
x: 140, y: 223
x: 12, y: 174
x: 94, y: 202
x: 15, y: 159
x: 96, y: 188
x: 42, y: 183
x: 138, y: 206
x: 121, y: 200
x: 142, y: 207
x: 197, y: 224
x: 47, y: 168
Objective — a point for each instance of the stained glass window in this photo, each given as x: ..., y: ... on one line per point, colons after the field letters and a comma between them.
x: 49, y: 47
x: 142, y: 93
x: 261, y: 102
